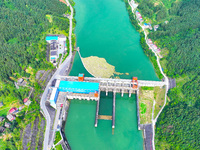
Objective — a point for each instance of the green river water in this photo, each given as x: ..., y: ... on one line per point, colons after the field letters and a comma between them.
x: 103, y: 29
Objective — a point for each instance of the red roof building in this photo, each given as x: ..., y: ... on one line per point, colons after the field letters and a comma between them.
x: 25, y: 100
x: 12, y: 110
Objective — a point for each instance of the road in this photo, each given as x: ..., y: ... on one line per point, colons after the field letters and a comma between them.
x: 60, y: 71
x: 165, y: 77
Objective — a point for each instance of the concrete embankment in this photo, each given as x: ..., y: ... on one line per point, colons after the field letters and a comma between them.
x: 140, y: 127
x: 97, y: 113
x: 66, y: 108
x: 113, y: 115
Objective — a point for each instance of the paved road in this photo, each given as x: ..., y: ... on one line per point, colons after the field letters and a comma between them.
x: 60, y: 71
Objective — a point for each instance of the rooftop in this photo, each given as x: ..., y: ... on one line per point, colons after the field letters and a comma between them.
x: 12, y: 110
x: 48, y: 38
x: 53, y: 53
x: 79, y: 85
x: 25, y: 100
x: 80, y: 74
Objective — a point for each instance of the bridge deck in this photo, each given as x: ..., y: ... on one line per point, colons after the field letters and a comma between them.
x: 108, y: 82
x: 105, y: 117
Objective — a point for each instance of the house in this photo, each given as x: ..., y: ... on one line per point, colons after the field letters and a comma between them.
x: 7, y: 125
x: 134, y: 4
x: 12, y: 110
x: 138, y: 15
x: 158, y: 50
x: 155, y: 48
x: 10, y: 117
x: 155, y: 27
x: 149, y: 41
x: 20, y: 80
x: 25, y: 100
x: 53, y: 56
x: 2, y: 129
x: 140, y: 19
x: 2, y: 119
x: 1, y: 104
x: 57, y: 46
x: 146, y: 25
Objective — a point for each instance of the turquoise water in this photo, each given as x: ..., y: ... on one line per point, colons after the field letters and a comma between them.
x: 82, y: 135
x: 103, y: 29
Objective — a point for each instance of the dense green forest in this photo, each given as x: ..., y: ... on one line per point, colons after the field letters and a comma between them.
x: 24, y: 25
x: 178, y: 36
x: 21, y: 26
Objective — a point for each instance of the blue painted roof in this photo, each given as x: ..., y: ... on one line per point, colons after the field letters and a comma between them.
x: 80, y: 75
x: 79, y: 85
x: 48, y: 38
x: 53, y: 57
x: 145, y: 24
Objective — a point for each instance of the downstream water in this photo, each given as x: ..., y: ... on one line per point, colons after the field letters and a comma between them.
x: 103, y: 29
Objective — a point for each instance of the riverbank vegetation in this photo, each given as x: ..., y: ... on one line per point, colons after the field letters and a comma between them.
x: 178, y: 37
x: 147, y: 96
x: 24, y: 26
x: 57, y: 137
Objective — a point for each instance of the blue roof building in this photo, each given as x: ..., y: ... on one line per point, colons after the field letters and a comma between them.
x: 78, y: 87
x: 53, y: 97
x: 49, y: 38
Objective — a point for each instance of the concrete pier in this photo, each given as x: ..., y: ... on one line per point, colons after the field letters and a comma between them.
x: 97, y: 113
x: 129, y: 93
x: 138, y: 111
x: 113, y: 115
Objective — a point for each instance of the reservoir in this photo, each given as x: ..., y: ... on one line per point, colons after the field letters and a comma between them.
x: 104, y: 30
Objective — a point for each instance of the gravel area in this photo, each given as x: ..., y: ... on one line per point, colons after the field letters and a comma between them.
x: 41, y: 139
x: 38, y: 74
x: 44, y: 76
x: 27, y: 136
x: 34, y: 133
x: 172, y: 83
x: 148, y: 137
x: 49, y: 77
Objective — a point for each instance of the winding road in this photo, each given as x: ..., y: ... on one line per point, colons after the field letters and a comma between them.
x: 60, y: 71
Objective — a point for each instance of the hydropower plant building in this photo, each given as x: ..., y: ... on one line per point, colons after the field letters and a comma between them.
x: 75, y: 90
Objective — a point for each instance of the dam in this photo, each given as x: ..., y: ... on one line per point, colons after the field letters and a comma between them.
x: 89, y: 88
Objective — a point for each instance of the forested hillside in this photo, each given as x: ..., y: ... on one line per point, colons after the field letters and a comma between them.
x: 178, y: 36
x: 24, y: 25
